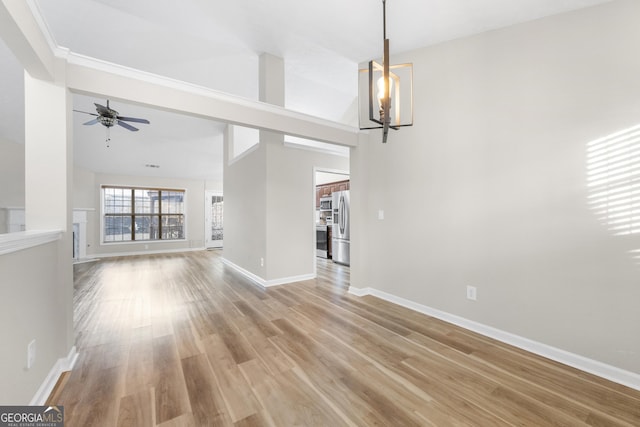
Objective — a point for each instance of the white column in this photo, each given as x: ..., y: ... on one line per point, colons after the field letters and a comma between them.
x: 48, y: 155
x: 271, y: 79
x: 49, y: 181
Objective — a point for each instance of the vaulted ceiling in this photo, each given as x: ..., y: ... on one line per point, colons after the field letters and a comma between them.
x: 216, y: 44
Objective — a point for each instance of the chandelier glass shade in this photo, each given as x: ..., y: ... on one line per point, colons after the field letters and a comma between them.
x: 385, y: 93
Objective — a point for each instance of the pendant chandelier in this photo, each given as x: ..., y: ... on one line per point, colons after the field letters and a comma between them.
x: 385, y: 96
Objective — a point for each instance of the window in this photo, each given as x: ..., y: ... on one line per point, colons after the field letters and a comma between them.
x: 142, y: 214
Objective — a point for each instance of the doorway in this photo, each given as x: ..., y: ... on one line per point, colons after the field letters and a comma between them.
x: 329, y: 244
x: 214, y: 219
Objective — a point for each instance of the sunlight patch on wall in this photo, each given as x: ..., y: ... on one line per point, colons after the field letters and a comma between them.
x: 613, y: 178
x: 635, y: 254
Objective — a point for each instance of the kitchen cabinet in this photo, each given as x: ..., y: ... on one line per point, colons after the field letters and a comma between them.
x: 339, y: 186
x: 326, y: 190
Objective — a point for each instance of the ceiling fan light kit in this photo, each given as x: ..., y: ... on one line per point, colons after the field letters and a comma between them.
x: 385, y: 92
x: 106, y: 121
x: 108, y: 117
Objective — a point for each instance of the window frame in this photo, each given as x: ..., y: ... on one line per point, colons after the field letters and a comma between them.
x: 132, y: 214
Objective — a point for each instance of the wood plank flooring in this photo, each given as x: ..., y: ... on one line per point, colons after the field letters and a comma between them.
x: 183, y: 340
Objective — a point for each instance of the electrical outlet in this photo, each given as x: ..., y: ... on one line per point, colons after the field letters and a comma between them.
x: 31, y: 354
x: 261, y: 262
x: 472, y: 293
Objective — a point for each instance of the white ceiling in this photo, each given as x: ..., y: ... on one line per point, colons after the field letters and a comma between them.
x: 159, y: 143
x: 216, y: 44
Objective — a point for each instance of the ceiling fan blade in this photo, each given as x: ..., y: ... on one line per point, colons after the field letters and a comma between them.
x: 132, y: 119
x: 92, y: 114
x: 104, y: 111
x: 126, y: 126
x: 91, y: 122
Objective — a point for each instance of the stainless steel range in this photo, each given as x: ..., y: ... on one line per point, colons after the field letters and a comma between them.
x: 322, y: 241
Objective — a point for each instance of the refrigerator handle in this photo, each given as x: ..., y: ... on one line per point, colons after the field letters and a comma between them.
x: 342, y: 220
x: 340, y: 215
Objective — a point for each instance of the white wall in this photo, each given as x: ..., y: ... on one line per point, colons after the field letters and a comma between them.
x: 270, y: 209
x: 245, y: 192
x: 270, y: 197
x: 11, y: 178
x: 215, y: 186
x: 37, y: 282
x: 87, y: 195
x: 33, y: 297
x: 291, y: 208
x: 489, y: 187
x: 41, y: 278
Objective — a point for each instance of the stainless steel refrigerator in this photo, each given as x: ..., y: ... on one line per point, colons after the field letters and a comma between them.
x: 340, y: 232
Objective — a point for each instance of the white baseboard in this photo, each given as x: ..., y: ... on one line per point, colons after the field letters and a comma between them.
x: 62, y: 365
x: 360, y: 292
x: 611, y: 373
x: 85, y: 260
x: 146, y: 252
x: 263, y: 283
x: 291, y: 279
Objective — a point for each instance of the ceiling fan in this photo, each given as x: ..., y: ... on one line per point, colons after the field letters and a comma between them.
x: 108, y: 117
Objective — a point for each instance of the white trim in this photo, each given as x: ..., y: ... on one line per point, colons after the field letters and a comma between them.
x: 290, y: 279
x: 361, y: 292
x: 160, y: 80
x: 147, y: 252
x: 322, y: 150
x: 143, y: 242
x: 350, y: 135
x: 14, y: 242
x: 85, y: 260
x: 267, y: 283
x: 329, y: 170
x: 45, y: 29
x: 79, y: 238
x: 603, y: 370
x: 62, y: 365
x: 208, y: 243
x: 256, y: 279
x: 316, y: 170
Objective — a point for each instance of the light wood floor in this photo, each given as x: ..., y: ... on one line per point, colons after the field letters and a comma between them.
x: 182, y: 340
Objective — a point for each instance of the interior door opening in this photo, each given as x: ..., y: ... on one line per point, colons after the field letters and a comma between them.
x: 330, y: 243
x: 214, y: 220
